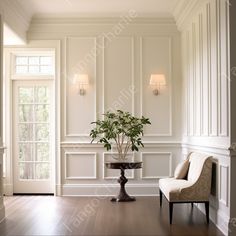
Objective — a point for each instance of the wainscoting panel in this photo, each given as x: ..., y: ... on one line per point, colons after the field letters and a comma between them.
x: 80, y: 165
x: 155, y: 58
x: 205, y: 49
x: 224, y: 184
x: 156, y: 165
x: 80, y: 110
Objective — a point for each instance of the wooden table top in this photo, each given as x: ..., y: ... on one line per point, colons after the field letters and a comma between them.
x: 124, y: 165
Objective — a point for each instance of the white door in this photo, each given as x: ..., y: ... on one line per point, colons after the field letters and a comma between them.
x: 32, y: 137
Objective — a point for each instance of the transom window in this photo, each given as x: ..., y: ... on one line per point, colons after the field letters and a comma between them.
x: 34, y: 65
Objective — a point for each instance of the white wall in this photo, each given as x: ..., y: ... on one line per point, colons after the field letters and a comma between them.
x: 2, y: 208
x: 119, y: 55
x: 16, y: 22
x: 205, y: 50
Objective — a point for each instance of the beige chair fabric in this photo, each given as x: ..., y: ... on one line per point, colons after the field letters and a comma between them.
x: 182, y: 169
x: 197, y: 185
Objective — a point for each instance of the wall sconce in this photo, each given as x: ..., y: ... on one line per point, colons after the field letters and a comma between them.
x: 82, y: 80
x: 156, y: 81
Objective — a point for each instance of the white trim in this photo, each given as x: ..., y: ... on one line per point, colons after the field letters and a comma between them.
x: 54, y: 19
x: 8, y: 189
x: 101, y: 190
x: 219, y: 218
x: 218, y: 150
x: 81, y: 177
x: 170, y: 144
x: 224, y: 201
x: 35, y: 46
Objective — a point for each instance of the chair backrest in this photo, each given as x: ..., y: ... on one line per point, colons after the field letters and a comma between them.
x: 198, y: 166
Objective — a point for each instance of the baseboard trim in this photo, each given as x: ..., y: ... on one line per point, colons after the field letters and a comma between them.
x: 220, y: 220
x: 8, y: 189
x: 108, y: 189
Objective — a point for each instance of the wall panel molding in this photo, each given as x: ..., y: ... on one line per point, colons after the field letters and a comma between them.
x: 68, y: 75
x: 224, y: 184
x: 148, y: 144
x: 169, y: 84
x: 207, y: 81
x: 93, y: 168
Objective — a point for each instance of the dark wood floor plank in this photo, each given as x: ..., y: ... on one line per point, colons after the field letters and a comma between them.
x: 48, y: 215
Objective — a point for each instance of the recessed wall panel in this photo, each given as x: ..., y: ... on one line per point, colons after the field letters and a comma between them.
x: 80, y: 109
x: 80, y: 165
x: 156, y: 59
x: 156, y: 165
x: 118, y: 74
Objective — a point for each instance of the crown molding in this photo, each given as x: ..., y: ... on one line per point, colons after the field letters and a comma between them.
x: 184, y: 10
x: 55, y: 19
x: 15, y: 17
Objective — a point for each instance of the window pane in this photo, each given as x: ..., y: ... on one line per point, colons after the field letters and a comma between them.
x: 42, y: 95
x: 21, y: 60
x: 26, y: 113
x: 25, y: 132
x: 46, y: 60
x: 26, y: 95
x: 42, y: 113
x: 33, y: 60
x: 42, y: 152
x: 46, y: 69
x: 26, y: 170
x: 26, y: 152
x: 42, y: 132
x: 21, y: 69
x: 42, y: 171
x: 34, y: 69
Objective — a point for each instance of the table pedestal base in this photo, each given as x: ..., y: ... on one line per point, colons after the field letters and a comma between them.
x: 123, y: 195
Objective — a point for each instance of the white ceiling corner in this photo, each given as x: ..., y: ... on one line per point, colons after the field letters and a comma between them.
x: 19, y: 13
x: 16, y: 21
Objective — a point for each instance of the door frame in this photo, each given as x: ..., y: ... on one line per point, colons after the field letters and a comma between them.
x: 9, y: 53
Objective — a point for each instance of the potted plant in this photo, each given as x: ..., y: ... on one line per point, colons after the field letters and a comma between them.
x: 119, y: 129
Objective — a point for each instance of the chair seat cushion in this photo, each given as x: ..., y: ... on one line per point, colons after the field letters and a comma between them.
x: 172, y: 187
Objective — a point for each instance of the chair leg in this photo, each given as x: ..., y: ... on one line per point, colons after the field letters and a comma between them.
x: 170, y: 211
x: 192, y: 204
x: 160, y: 197
x: 207, y: 211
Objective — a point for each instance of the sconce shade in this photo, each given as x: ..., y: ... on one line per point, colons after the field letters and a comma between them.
x: 82, y: 79
x: 157, y: 79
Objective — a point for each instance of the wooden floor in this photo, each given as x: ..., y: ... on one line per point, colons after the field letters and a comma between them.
x: 48, y: 215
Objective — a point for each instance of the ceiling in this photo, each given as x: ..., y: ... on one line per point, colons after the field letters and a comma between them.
x: 105, y: 8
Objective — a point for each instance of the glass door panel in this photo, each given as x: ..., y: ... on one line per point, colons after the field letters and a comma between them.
x: 32, y: 139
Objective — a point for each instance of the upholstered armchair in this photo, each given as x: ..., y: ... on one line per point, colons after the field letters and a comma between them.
x: 191, y: 183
